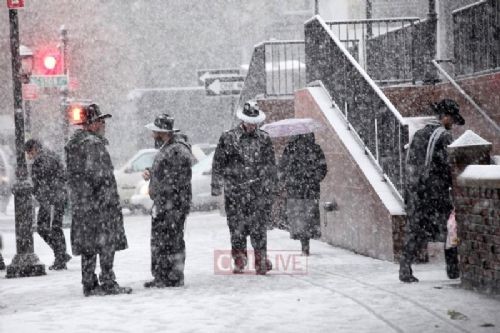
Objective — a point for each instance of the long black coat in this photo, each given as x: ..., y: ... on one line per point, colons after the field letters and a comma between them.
x: 170, y: 185
x: 244, y: 165
x: 48, y: 176
x: 97, y: 220
x: 302, y: 168
x: 427, y: 190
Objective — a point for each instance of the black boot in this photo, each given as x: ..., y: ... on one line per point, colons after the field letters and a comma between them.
x: 60, y: 262
x: 93, y: 289
x: 305, y: 246
x: 406, y: 274
x: 451, y: 258
x: 112, y: 288
x: 2, y: 263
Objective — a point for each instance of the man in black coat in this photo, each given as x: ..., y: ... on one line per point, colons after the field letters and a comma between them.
x: 244, y: 166
x: 97, y: 221
x: 49, y: 189
x: 170, y: 190
x: 427, y: 190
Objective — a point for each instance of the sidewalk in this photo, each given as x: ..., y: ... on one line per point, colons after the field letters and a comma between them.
x: 341, y: 292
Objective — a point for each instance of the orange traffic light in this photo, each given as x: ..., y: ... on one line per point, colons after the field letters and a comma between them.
x: 76, y: 114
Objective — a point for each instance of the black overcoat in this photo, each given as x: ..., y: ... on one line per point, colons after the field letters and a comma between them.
x: 428, y: 184
x: 244, y: 166
x: 97, y: 220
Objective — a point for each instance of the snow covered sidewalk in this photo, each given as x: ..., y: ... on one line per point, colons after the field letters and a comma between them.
x: 341, y: 292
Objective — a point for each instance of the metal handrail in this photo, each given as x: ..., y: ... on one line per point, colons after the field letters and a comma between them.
x: 365, y: 75
x: 472, y: 5
x: 368, y: 112
x: 463, y: 93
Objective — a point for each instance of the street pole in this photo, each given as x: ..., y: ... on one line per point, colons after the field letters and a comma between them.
x: 25, y: 262
x: 316, y: 7
x: 64, y: 90
x: 430, y: 40
x: 369, y: 15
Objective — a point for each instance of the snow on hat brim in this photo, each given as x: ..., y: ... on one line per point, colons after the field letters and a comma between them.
x: 251, y: 120
x: 154, y: 128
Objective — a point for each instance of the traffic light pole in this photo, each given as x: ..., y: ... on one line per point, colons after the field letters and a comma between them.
x: 64, y: 91
x: 25, y: 262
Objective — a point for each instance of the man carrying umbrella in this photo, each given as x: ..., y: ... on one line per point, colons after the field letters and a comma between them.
x: 244, y: 166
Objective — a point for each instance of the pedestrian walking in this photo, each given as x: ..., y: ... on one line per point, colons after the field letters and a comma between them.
x: 244, y: 167
x: 301, y: 169
x: 97, y: 221
x: 427, y: 189
x: 49, y: 189
x: 170, y: 190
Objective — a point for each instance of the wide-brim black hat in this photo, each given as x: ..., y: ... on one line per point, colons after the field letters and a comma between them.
x: 91, y: 113
x: 449, y: 107
x: 163, y: 124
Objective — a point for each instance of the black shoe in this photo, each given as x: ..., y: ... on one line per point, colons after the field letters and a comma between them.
x: 239, y: 265
x: 60, y: 262
x: 269, y: 266
x: 408, y: 278
x: 112, y: 288
x: 93, y: 291
x: 174, y: 284
x: 452, y: 272
x: 155, y: 284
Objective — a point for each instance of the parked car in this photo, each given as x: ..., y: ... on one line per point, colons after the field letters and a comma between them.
x: 130, y: 174
x: 200, y: 183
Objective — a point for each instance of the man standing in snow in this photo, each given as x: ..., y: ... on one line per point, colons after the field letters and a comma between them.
x: 244, y: 166
x: 49, y: 189
x: 170, y: 190
x: 427, y: 190
x: 97, y: 220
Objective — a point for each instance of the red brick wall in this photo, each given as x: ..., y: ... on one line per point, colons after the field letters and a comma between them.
x: 485, y: 90
x: 478, y: 225
x: 362, y: 223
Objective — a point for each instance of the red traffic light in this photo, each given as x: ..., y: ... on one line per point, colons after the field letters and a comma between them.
x: 48, y: 60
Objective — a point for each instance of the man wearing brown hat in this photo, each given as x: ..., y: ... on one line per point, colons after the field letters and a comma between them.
x: 427, y: 190
x: 170, y: 190
x: 244, y: 166
x: 97, y: 220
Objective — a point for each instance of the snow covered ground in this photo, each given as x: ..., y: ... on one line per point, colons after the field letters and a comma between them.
x: 341, y: 292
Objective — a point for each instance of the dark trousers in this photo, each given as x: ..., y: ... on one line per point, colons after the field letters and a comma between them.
x: 168, y: 250
x: 89, y: 261
x: 258, y: 238
x: 49, y: 226
x: 414, y: 241
x: 2, y: 263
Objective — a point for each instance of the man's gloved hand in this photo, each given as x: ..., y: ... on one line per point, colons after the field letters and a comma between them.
x: 216, y: 191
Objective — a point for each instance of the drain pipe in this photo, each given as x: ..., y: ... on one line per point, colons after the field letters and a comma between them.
x: 463, y: 93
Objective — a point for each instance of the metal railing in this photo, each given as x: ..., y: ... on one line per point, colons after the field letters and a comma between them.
x: 277, y: 69
x: 386, y: 48
x: 377, y: 123
x: 476, y: 38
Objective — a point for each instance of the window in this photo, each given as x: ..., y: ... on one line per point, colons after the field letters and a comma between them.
x: 143, y: 161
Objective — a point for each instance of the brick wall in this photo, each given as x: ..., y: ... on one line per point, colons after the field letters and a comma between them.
x: 477, y: 204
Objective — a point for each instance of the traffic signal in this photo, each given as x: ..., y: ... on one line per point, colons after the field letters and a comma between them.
x: 48, y: 60
x: 76, y: 114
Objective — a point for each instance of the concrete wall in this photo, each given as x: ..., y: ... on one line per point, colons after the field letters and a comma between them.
x: 485, y: 90
x: 362, y: 223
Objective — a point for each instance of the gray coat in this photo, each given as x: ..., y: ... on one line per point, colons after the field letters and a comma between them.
x: 170, y: 184
x: 97, y: 220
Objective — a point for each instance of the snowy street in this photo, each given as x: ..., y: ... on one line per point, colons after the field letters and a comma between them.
x: 341, y: 292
